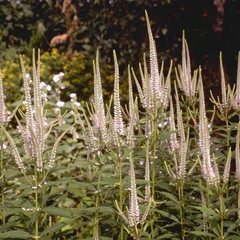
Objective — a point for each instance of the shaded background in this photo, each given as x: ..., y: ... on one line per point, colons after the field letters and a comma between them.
x: 86, y: 26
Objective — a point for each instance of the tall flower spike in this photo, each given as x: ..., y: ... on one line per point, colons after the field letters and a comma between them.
x: 16, y: 154
x: 181, y: 146
x: 37, y: 129
x: 226, y: 104
x: 3, y: 110
x: 158, y: 94
x: 52, y: 158
x: 204, y: 141
x: 186, y: 82
x: 130, y: 132
x: 154, y: 71
x: 174, y: 146
x: 133, y: 111
x: 33, y: 135
x: 98, y: 100
x: 40, y: 121
x: 90, y: 139
x: 180, y: 126
x: 223, y: 83
x: 166, y: 86
x: 236, y: 100
x: 183, y: 153
x: 227, y: 167
x: 118, y: 120
x: 4, y: 116
x: 26, y: 134
x: 145, y: 95
x: 133, y: 214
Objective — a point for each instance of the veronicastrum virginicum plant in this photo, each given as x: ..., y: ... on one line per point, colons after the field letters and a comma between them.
x: 154, y: 96
x: 34, y: 162
x: 142, y: 174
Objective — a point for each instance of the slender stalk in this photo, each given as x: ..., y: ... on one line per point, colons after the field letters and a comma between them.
x: 120, y: 192
x: 153, y: 149
x: 221, y: 213
x: 228, y: 131
x: 118, y: 172
x: 36, y: 202
x: 208, y: 204
x: 97, y: 200
x: 2, y: 180
x: 181, y: 209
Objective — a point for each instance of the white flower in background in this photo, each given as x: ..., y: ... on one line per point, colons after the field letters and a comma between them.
x: 42, y: 85
x: 49, y: 88
x: 77, y: 104
x: 58, y: 77
x: 60, y: 104
x: 56, y: 110
x: 73, y: 95
x: 4, y: 146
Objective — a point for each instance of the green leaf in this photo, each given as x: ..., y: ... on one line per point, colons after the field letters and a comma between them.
x: 170, y: 196
x: 83, y: 163
x: 206, y: 210
x: 57, y: 226
x: 231, y: 227
x: 57, y: 211
x: 168, y: 215
x: 166, y: 236
x: 15, y: 234
x: 101, y: 209
x: 200, y: 233
x: 8, y: 225
x: 231, y: 237
x: 108, y: 182
x: 34, y: 217
x: 165, y: 135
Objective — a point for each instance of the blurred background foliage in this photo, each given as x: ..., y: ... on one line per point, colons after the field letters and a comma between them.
x: 70, y: 32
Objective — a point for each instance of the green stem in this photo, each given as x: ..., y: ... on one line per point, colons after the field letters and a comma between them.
x: 181, y: 209
x: 97, y: 201
x: 2, y: 181
x: 208, y: 204
x: 153, y: 150
x: 36, y: 202
x: 228, y: 132
x: 221, y: 217
x: 120, y: 193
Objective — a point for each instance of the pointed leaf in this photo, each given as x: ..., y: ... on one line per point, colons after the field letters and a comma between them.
x: 168, y: 215
x: 15, y: 234
x: 200, y: 233
x: 170, y: 196
x: 57, y: 211
x: 57, y: 226
x: 206, y: 210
